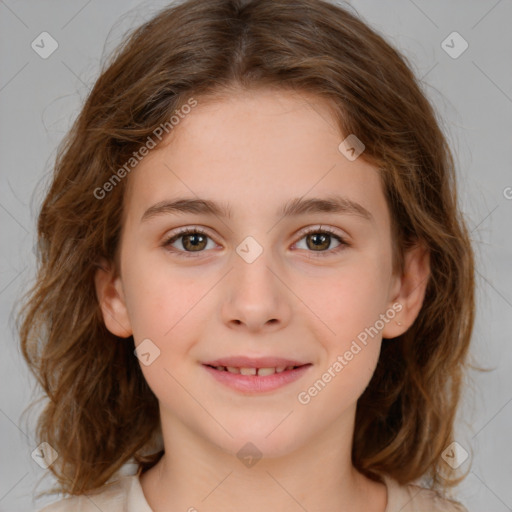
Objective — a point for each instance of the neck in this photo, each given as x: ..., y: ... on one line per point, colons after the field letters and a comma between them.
x: 195, y: 475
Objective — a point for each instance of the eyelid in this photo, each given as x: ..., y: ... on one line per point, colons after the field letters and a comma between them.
x: 321, y: 227
x: 187, y: 230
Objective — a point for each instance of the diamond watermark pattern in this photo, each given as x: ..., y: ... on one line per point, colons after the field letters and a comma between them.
x: 249, y: 454
x: 351, y: 147
x: 44, y: 45
x: 455, y: 455
x: 147, y: 352
x: 249, y: 250
x: 44, y: 455
x: 454, y: 45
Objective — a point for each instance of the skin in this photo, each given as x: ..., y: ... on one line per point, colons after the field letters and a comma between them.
x: 256, y: 150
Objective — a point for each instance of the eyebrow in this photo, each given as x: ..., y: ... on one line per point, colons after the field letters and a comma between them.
x: 298, y: 206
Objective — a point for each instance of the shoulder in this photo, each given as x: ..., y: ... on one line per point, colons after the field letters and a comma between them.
x: 413, y: 498
x: 113, y: 496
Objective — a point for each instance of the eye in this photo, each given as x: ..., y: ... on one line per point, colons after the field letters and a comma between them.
x: 319, y: 239
x: 193, y: 240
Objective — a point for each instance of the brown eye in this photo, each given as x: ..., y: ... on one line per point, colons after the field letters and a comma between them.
x: 320, y: 240
x: 192, y: 240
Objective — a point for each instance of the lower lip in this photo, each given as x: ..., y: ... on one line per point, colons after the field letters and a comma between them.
x: 254, y: 383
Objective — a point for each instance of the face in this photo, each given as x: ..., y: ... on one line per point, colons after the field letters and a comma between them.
x: 272, y: 273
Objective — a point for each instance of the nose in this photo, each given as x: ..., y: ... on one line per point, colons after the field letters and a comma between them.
x: 256, y: 296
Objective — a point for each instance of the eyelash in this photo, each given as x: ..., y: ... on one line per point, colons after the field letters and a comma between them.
x: 193, y: 254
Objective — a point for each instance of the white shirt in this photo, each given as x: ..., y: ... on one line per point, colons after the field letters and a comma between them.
x: 125, y: 495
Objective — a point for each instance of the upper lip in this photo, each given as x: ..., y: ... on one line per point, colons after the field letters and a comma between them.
x: 254, y: 362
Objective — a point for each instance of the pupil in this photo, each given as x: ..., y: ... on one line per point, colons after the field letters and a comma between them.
x: 320, y: 240
x: 194, y: 240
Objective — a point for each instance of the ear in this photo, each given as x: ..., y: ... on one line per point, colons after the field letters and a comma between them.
x: 109, y: 291
x: 408, y: 291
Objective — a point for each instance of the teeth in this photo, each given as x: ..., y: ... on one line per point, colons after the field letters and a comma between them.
x: 266, y: 371
x: 248, y: 371
x: 254, y: 371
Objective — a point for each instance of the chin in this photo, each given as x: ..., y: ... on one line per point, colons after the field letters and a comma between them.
x: 262, y: 441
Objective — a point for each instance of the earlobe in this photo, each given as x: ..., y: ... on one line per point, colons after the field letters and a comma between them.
x: 109, y: 292
x: 407, y: 302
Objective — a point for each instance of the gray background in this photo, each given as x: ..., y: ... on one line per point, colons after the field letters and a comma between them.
x: 472, y: 93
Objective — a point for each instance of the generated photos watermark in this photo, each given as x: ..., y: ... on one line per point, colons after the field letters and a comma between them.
x: 137, y: 156
x: 342, y: 360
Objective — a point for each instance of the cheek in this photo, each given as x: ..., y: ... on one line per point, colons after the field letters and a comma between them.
x: 159, y: 297
x: 169, y: 308
x: 349, y: 300
x: 350, y: 355
x: 339, y: 385
x: 166, y: 311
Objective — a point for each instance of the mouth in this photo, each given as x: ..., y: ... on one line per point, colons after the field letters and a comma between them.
x: 256, y: 375
x: 260, y: 372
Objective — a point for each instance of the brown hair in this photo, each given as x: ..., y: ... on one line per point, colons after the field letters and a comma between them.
x: 100, y: 410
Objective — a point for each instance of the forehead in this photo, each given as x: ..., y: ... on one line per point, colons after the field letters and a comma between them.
x: 254, y: 150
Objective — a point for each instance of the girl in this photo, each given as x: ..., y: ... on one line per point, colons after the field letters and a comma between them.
x: 255, y: 283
